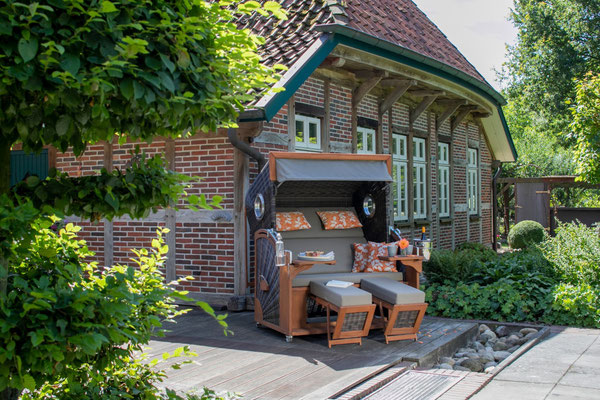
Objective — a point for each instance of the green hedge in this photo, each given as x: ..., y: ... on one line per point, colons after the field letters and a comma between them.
x: 525, y: 234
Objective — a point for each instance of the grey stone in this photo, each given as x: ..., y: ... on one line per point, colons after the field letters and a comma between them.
x: 474, y: 364
x: 483, y: 328
x: 527, y: 331
x: 499, y: 346
x: 489, y: 349
x: 530, y: 335
x: 488, y: 370
x: 502, y: 331
x: 488, y: 335
x: 501, y: 355
x: 457, y: 361
x: 444, y: 366
x: 466, y: 354
x: 478, y: 346
x: 490, y: 364
x: 487, y: 357
x: 512, y: 340
x: 447, y: 360
x: 461, y: 368
x: 519, y: 334
x: 513, y: 349
x: 464, y: 350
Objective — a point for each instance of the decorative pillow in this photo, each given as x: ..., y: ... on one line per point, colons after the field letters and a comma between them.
x: 339, y: 219
x: 360, y: 257
x: 291, y: 221
x: 374, y: 264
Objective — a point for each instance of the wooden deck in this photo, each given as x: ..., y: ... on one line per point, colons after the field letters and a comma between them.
x: 258, y: 363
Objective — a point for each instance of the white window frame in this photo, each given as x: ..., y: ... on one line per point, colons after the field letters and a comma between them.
x: 444, y: 180
x: 305, y: 143
x: 419, y: 171
x: 473, y: 181
x: 364, y: 137
x: 400, y: 186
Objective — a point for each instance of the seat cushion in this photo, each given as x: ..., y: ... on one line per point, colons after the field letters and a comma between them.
x: 392, y: 291
x: 303, y: 280
x: 341, y: 297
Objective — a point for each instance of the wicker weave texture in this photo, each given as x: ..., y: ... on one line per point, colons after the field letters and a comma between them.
x: 354, y: 321
x: 406, y: 319
x: 265, y: 266
x: 262, y: 185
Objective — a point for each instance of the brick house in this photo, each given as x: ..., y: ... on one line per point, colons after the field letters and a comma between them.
x: 370, y: 76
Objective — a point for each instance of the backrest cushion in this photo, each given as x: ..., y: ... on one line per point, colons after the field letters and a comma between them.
x: 339, y: 219
x: 291, y: 221
x: 374, y: 264
x: 361, y: 255
x: 339, y: 241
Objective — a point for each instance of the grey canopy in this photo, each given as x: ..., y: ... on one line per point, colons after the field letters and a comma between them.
x: 332, y: 170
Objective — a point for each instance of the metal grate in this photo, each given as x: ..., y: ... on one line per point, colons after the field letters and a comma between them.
x: 414, y: 385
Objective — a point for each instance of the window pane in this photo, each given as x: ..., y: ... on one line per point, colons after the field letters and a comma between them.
x: 395, y: 149
x: 312, y: 133
x: 299, y: 131
x: 370, y: 137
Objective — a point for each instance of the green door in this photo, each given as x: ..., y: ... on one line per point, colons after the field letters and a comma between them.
x: 26, y: 164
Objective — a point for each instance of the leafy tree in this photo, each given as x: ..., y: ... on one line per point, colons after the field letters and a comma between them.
x: 558, y: 41
x: 75, y: 72
x: 585, y: 127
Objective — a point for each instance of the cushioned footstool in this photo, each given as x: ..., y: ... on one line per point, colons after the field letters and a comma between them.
x: 404, y: 304
x: 354, y: 307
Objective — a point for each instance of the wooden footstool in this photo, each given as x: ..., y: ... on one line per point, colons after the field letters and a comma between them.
x: 355, y: 311
x: 404, y: 304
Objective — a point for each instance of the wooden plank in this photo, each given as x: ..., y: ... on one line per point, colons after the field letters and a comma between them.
x: 421, y: 108
x: 108, y: 225
x: 354, y: 128
x: 241, y: 182
x: 291, y: 117
x: 451, y: 109
x: 427, y: 92
x: 379, y: 134
x: 326, y: 121
x: 361, y: 91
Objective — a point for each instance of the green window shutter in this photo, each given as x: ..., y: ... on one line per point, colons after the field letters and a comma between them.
x: 26, y: 164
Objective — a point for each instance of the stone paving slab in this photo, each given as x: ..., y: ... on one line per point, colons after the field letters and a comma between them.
x: 564, y: 366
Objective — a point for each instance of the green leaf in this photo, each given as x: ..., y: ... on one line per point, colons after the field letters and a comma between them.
x: 126, y: 87
x: 108, y: 7
x: 138, y: 90
x: 28, y: 49
x: 29, y: 382
x: 62, y: 124
x: 168, y: 63
x: 112, y: 200
x: 70, y: 63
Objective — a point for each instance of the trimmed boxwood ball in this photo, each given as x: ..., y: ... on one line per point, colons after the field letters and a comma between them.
x: 525, y: 233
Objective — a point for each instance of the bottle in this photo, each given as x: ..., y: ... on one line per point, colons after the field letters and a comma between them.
x: 423, y: 236
x: 279, y: 251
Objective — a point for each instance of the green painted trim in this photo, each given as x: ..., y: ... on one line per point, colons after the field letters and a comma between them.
x: 303, y: 73
x: 508, y: 135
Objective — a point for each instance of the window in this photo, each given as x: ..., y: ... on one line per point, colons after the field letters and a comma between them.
x: 400, y: 175
x: 444, y: 179
x: 419, y: 179
x: 365, y: 143
x: 308, y: 133
x: 472, y: 182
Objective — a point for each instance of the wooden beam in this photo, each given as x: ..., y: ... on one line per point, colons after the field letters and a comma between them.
x: 335, y: 62
x: 481, y: 114
x: 354, y: 121
x: 291, y: 117
x: 424, y: 105
x: 325, y: 122
x: 464, y: 111
x: 395, y: 95
x: 379, y: 134
x: 171, y: 219
x: 360, y: 92
x: 241, y: 181
x: 451, y: 109
x: 426, y: 92
x: 393, y: 82
x: 369, y: 74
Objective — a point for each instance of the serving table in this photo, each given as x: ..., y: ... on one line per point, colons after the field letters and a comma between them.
x: 414, y: 264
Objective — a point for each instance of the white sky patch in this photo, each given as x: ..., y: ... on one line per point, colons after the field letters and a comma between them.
x: 478, y: 28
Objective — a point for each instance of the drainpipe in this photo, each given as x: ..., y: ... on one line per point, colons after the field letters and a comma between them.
x: 495, y: 206
x: 246, y: 148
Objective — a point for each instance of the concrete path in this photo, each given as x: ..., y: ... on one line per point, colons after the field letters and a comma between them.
x: 566, y: 365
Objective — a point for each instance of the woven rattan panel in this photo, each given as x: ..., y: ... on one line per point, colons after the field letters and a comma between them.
x: 265, y: 267
x: 316, y: 194
x: 354, y: 321
x: 406, y: 319
x: 263, y: 185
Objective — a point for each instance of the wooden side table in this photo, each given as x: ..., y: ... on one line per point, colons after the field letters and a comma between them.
x: 414, y: 264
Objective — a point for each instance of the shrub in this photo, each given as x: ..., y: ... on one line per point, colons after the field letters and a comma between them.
x: 575, y: 305
x: 525, y: 233
x: 458, y: 265
x: 575, y: 253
